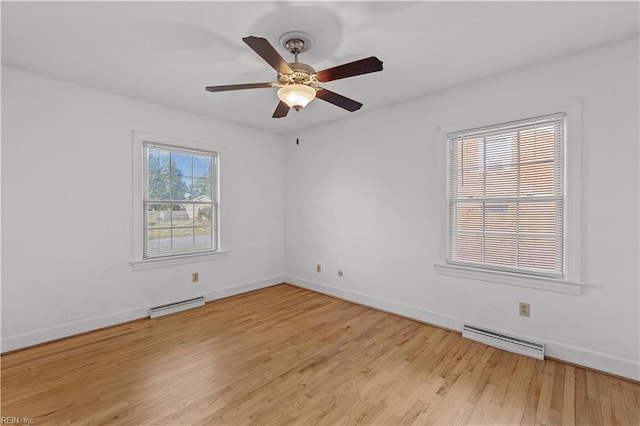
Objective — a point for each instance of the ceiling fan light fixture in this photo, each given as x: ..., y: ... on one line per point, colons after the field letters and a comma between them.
x: 297, y: 96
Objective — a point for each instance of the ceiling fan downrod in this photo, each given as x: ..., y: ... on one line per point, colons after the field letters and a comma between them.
x: 295, y: 46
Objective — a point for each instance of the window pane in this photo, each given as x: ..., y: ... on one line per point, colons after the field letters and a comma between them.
x: 537, y: 144
x: 183, y: 239
x: 538, y: 217
x: 158, y: 242
x: 469, y: 217
x: 470, y: 184
x: 500, y: 217
x: 202, y: 190
x: 502, y: 182
x: 181, y: 217
x: 470, y: 152
x: 538, y: 253
x: 203, y: 237
x: 158, y: 216
x: 470, y: 171
x: 181, y: 164
x: 158, y: 186
x: 500, y: 250
x: 201, y: 166
x: 498, y: 151
x: 537, y: 179
x: 157, y: 160
x: 469, y: 247
x: 180, y: 188
x: 202, y: 214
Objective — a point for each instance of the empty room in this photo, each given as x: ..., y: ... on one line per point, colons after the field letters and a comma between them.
x: 295, y: 213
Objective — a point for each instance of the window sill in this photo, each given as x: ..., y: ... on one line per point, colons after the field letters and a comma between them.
x: 541, y: 283
x: 139, y: 265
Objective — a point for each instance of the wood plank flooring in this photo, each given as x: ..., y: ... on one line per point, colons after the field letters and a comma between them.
x: 284, y: 355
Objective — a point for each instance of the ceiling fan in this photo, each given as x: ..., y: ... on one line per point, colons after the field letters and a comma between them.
x: 299, y: 83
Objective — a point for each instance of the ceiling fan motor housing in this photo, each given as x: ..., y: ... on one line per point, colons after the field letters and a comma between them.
x: 302, y: 74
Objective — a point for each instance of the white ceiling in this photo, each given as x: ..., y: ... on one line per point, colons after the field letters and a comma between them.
x: 167, y: 52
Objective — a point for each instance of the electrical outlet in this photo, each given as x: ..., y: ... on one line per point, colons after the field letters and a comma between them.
x: 195, y: 277
x: 319, y: 268
x: 524, y: 310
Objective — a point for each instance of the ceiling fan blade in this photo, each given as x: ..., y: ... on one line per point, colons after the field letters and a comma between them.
x: 363, y: 66
x: 238, y: 87
x: 338, y: 100
x: 281, y: 110
x: 266, y: 51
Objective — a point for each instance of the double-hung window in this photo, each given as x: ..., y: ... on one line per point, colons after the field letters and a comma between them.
x: 179, y: 201
x: 176, y: 201
x: 506, y: 197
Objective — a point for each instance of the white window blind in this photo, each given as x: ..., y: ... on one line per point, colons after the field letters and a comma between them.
x: 506, y: 196
x: 180, y: 201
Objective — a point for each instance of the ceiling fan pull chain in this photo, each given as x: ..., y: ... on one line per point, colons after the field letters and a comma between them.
x: 298, y: 125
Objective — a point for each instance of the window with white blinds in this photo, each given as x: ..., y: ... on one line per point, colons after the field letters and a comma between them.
x: 506, y: 197
x: 179, y: 201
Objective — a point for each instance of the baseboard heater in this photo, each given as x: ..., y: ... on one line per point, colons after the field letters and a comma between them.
x: 508, y: 343
x: 171, y: 308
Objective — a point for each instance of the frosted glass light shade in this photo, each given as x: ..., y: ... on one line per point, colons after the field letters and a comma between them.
x: 296, y: 95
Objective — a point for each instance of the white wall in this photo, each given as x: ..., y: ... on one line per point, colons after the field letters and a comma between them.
x: 362, y: 195
x: 67, y: 218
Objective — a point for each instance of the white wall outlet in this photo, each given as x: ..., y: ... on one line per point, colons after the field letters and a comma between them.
x: 524, y: 310
x: 195, y: 277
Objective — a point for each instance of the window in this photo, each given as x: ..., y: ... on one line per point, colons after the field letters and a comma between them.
x: 176, y: 201
x: 179, y: 201
x: 506, y: 197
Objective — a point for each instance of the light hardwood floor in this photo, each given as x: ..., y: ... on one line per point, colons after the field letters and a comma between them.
x: 285, y: 355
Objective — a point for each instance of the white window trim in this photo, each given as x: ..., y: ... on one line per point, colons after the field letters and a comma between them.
x: 138, y: 262
x: 572, y: 281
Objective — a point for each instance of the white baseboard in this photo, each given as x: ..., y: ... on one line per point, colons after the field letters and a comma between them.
x: 31, y: 338
x: 575, y: 355
x: 413, y: 312
x: 243, y: 288
x: 593, y: 359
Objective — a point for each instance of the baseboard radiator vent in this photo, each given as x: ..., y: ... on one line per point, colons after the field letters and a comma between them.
x: 171, y: 308
x: 508, y: 343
